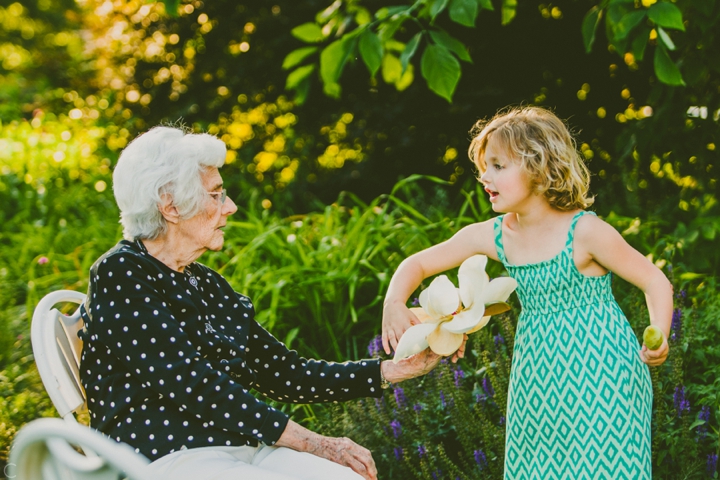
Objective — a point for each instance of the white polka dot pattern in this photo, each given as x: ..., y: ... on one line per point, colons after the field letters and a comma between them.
x: 169, y: 357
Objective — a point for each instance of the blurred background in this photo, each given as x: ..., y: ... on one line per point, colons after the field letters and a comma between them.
x: 347, y: 131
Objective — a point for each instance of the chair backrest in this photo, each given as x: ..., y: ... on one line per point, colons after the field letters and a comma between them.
x: 43, y: 450
x: 57, y: 351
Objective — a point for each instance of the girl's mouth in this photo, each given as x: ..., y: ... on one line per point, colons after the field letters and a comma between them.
x: 493, y: 194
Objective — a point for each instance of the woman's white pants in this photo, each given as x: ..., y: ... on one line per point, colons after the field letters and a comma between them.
x: 257, y: 463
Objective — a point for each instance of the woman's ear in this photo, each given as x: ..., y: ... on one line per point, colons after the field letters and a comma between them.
x: 168, y: 209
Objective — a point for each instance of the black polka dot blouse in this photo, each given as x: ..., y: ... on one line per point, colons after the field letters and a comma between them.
x: 168, y: 359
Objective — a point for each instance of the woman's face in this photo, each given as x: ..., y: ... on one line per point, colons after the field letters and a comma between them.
x: 204, y: 230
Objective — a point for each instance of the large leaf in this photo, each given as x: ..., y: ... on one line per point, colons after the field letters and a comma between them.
x: 436, y: 7
x: 639, y: 43
x: 441, y: 70
x: 442, y: 38
x: 410, y: 50
x: 171, y: 7
x: 308, y: 32
x: 627, y: 23
x: 371, y: 51
x: 509, y: 8
x: 297, y: 76
x: 295, y: 57
x: 665, y: 69
x: 666, y: 15
x: 464, y: 12
x: 332, y: 62
x: 589, y: 26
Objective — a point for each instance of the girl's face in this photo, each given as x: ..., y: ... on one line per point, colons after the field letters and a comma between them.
x: 504, y: 179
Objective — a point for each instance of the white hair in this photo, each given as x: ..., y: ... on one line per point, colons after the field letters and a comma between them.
x: 162, y: 161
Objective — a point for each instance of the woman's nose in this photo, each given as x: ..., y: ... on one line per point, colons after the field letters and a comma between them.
x: 229, y: 207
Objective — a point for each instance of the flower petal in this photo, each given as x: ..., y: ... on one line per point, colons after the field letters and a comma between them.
x: 423, y: 316
x: 441, y: 298
x: 472, y: 279
x: 480, y: 325
x: 413, y: 341
x: 499, y: 290
x: 465, y: 320
x: 443, y: 342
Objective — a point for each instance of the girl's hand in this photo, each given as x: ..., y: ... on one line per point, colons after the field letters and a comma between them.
x: 657, y: 357
x: 396, y: 319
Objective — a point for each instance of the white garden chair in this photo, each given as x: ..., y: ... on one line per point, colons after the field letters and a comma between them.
x: 44, y: 450
x: 57, y: 350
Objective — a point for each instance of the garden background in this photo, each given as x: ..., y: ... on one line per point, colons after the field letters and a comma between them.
x: 346, y: 124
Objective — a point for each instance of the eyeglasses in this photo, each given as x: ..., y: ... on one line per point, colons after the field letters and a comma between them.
x: 222, y: 193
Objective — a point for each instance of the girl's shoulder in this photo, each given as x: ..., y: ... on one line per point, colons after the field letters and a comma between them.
x: 593, y: 229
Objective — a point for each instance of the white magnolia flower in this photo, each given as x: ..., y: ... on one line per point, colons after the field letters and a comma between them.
x: 448, y: 312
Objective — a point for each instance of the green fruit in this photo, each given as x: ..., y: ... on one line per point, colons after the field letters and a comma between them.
x: 653, y: 337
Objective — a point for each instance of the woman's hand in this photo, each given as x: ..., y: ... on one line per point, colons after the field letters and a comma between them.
x: 396, y: 319
x: 410, y: 367
x: 342, y: 451
x: 655, y: 357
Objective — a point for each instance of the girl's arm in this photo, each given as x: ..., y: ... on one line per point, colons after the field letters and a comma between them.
x: 608, y: 248
x: 474, y: 239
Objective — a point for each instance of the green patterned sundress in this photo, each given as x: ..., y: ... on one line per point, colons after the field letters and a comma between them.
x: 580, y: 398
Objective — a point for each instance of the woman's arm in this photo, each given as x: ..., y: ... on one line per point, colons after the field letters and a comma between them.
x: 608, y: 248
x: 474, y: 239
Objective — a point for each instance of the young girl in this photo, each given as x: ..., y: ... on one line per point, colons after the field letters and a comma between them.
x: 580, y: 396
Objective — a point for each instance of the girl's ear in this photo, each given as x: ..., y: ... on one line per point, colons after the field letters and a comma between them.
x: 168, y: 209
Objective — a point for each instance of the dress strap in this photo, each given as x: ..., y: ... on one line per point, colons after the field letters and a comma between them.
x: 571, y: 231
x: 498, y: 239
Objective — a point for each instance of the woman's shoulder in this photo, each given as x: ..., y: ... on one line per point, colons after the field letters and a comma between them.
x: 124, y: 254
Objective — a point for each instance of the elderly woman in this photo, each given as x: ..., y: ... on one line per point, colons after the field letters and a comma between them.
x: 171, y: 351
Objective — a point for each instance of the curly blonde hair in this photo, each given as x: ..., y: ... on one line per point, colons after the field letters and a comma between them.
x: 546, y: 150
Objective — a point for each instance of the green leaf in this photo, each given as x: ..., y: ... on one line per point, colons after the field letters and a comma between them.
x: 665, y: 69
x: 391, y: 68
x: 297, y: 76
x: 627, y: 23
x: 410, y: 50
x: 371, y: 51
x: 665, y: 38
x: 323, y: 16
x: 442, y: 38
x: 589, y: 26
x: 639, y: 43
x: 385, y: 12
x: 509, y: 8
x: 486, y: 5
x: 171, y: 7
x: 436, y: 7
x: 332, y: 90
x: 332, y: 61
x: 308, y: 33
x: 363, y: 16
x: 388, y: 28
x: 464, y: 12
x: 295, y: 57
x: 441, y: 70
x: 696, y: 424
x: 667, y: 15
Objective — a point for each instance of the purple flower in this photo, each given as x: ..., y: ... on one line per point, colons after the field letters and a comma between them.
x: 398, y: 451
x: 417, y: 407
x: 459, y: 374
x: 704, y: 415
x: 43, y: 260
x: 712, y: 464
x: 502, y: 420
x: 682, y: 404
x: 676, y: 320
x: 375, y: 346
x: 396, y: 428
x: 421, y: 451
x: 415, y: 302
x: 487, y: 386
x: 499, y: 340
x: 379, y: 403
x: 442, y: 399
x: 400, y: 398
x: 480, y: 458
x: 436, y: 474
x: 480, y: 397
